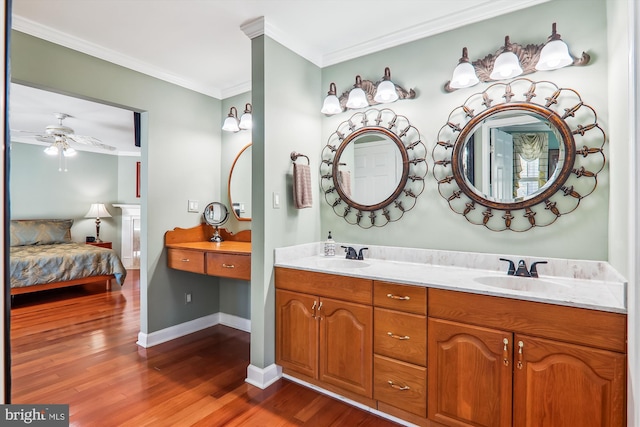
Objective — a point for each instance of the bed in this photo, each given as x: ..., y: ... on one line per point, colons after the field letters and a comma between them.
x: 43, y: 256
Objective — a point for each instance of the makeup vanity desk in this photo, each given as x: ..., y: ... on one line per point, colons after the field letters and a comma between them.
x: 190, y: 249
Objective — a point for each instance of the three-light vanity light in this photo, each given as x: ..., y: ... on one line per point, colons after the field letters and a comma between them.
x: 513, y: 60
x: 364, y: 94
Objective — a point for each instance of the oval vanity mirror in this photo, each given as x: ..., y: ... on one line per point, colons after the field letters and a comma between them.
x: 215, y: 214
x: 529, y: 149
x: 240, y: 185
x: 373, y: 168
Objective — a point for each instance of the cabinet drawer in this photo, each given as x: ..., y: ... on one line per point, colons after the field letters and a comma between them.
x: 400, y: 297
x: 400, y: 335
x: 325, y: 285
x: 229, y: 265
x: 183, y: 259
x: 400, y: 384
x: 570, y: 324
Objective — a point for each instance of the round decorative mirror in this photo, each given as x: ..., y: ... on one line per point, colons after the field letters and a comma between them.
x: 215, y: 214
x: 504, y: 151
x: 373, y: 164
x: 240, y: 185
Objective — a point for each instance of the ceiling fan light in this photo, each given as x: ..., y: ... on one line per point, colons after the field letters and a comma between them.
x: 506, y: 66
x: 554, y: 55
x: 51, y: 150
x: 69, y: 152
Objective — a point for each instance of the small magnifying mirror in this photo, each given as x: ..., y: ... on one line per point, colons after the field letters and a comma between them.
x: 215, y: 214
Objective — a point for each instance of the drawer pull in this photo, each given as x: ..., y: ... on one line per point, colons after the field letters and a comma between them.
x: 228, y: 265
x: 185, y: 260
x: 398, y: 387
x: 505, y: 352
x: 398, y: 337
x: 392, y: 296
x: 520, y: 350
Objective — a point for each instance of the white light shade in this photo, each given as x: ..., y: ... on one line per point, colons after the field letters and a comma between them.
x: 554, y: 55
x: 98, y: 210
x: 386, y: 92
x: 51, y: 150
x: 506, y: 66
x: 245, y: 121
x: 69, y: 152
x: 357, y: 98
x: 231, y: 124
x: 464, y: 75
x: 331, y: 105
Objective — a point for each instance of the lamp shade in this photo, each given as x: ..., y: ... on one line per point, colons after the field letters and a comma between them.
x: 357, y: 97
x: 51, y: 150
x: 386, y: 90
x: 98, y: 210
x: 69, y: 151
x: 554, y: 55
x: 246, y: 121
x: 464, y: 75
x: 506, y: 66
x: 331, y: 105
x: 231, y: 122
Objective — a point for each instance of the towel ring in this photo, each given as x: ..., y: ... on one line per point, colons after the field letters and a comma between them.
x: 294, y: 157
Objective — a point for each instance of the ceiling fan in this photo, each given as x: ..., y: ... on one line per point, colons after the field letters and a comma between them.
x: 59, y: 136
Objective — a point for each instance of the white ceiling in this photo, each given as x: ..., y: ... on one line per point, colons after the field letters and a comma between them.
x: 200, y: 44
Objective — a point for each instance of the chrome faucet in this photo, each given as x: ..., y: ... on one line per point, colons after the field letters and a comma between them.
x: 522, y: 270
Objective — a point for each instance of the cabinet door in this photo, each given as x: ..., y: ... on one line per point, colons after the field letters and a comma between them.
x: 346, y: 345
x: 297, y: 332
x: 569, y: 385
x: 470, y: 374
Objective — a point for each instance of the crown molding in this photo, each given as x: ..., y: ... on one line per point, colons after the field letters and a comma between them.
x: 54, y: 36
x: 486, y: 9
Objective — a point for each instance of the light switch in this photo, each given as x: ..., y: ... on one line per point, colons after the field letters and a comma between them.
x: 276, y: 200
x: 193, y: 206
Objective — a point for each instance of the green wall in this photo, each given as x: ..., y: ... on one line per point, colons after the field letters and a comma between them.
x: 39, y: 190
x: 180, y: 161
x: 426, y: 65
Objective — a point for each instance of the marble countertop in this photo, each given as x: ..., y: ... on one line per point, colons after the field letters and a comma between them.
x: 576, y: 283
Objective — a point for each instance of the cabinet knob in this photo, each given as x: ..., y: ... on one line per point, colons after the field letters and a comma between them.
x: 401, y: 298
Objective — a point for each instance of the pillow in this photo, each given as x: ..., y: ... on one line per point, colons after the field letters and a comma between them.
x: 40, y: 231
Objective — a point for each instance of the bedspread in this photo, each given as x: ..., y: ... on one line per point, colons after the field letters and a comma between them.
x: 41, y: 264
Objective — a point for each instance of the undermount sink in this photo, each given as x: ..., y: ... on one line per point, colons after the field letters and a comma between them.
x: 522, y: 284
x: 342, y: 263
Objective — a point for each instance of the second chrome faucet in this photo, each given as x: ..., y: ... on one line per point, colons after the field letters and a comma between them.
x: 522, y: 270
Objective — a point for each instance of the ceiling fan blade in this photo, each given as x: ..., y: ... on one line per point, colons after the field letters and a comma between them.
x: 89, y: 140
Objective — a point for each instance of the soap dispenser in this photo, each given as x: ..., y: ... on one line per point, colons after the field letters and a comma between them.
x: 329, y: 246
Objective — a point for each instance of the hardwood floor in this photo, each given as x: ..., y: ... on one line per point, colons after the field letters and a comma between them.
x: 77, y: 346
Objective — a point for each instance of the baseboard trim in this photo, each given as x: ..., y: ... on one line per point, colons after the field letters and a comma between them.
x: 263, y: 377
x: 186, y: 328
x: 349, y: 401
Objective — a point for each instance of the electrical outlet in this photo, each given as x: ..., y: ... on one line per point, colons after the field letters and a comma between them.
x: 187, y: 298
x: 276, y: 200
x: 193, y: 206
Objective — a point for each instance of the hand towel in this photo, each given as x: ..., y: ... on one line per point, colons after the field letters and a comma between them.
x: 302, y: 197
x: 345, y: 182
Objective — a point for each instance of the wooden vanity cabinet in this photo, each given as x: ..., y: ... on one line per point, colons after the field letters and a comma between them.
x: 400, y: 347
x: 547, y: 365
x: 186, y: 260
x: 326, y: 336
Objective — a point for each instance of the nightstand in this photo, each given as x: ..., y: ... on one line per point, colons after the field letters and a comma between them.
x: 101, y: 244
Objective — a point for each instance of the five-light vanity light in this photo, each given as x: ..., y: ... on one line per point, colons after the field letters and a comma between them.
x: 233, y: 124
x: 513, y: 60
